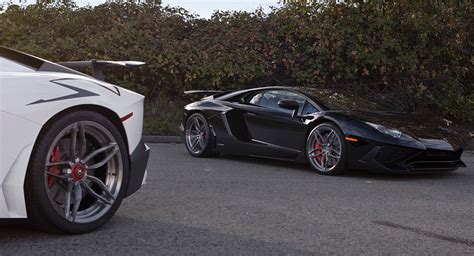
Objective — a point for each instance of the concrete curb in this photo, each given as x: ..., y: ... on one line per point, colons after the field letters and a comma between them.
x: 161, y: 139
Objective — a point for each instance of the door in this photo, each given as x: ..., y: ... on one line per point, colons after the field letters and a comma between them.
x: 272, y: 125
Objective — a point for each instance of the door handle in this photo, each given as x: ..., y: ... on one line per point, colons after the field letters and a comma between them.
x: 251, y: 114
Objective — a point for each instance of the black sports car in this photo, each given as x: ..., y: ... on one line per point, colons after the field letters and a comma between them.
x: 292, y: 124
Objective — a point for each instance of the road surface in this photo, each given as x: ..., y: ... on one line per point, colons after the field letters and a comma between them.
x: 242, y: 205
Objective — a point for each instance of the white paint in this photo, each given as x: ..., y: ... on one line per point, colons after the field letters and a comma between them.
x: 21, y: 121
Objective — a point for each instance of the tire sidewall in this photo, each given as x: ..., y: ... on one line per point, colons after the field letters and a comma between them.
x: 37, y: 200
x: 341, y: 165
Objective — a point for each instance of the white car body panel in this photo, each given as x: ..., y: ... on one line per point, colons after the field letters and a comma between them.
x: 28, y: 100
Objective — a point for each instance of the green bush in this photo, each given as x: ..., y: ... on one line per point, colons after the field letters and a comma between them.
x: 415, y: 55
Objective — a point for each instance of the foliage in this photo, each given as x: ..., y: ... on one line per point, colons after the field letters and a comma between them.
x: 416, y: 55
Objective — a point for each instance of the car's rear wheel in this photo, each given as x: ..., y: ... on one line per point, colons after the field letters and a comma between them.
x: 78, y: 174
x: 326, y: 149
x: 198, y: 138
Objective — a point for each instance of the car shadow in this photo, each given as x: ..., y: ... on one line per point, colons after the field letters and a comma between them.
x: 130, y: 236
x: 271, y: 162
x: 356, y: 174
x: 15, y: 227
x: 367, y: 174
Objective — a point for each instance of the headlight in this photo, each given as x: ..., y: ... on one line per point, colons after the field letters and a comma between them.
x: 392, y: 132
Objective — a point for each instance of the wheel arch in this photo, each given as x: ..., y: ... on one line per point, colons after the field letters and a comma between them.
x: 105, y: 112
x: 320, y: 120
x: 191, y: 112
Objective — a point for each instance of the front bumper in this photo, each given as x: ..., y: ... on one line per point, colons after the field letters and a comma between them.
x: 389, y: 158
x: 138, y: 164
x: 436, y: 160
x: 182, y: 133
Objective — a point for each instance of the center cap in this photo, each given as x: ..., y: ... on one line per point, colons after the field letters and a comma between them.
x: 78, y: 171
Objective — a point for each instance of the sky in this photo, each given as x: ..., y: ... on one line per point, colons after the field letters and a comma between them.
x: 204, y: 8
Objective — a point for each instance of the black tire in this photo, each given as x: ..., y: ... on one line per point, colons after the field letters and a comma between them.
x: 316, y: 158
x: 42, y: 213
x: 199, y: 150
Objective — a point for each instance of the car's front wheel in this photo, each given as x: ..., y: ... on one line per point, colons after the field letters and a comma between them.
x: 198, y: 138
x: 326, y: 149
x: 77, y: 175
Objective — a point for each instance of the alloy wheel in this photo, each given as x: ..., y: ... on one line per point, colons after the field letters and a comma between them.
x: 196, y: 134
x: 83, y: 172
x: 324, y: 148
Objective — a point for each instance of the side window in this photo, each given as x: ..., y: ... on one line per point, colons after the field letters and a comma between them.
x: 308, y: 109
x: 255, y: 99
x: 270, y: 99
x: 7, y: 65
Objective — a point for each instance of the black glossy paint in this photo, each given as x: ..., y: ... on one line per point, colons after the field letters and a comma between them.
x: 246, y: 129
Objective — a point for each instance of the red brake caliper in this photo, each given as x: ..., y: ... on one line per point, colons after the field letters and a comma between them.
x: 55, y: 157
x: 318, y: 151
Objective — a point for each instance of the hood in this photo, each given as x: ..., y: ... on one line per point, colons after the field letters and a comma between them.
x: 417, y: 126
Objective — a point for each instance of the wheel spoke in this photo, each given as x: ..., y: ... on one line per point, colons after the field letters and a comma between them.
x: 66, y: 164
x: 197, y: 125
x: 105, y: 160
x: 201, y: 143
x: 314, y: 150
x: 316, y: 155
x: 202, y: 128
x: 191, y: 133
x: 319, y: 140
x: 67, y: 201
x: 323, y: 161
x: 331, y: 141
x: 335, y: 151
x: 192, y: 138
x: 77, y: 200
x: 102, y: 186
x: 56, y: 175
x: 100, y: 150
x: 82, y: 141
x: 72, y: 149
x: 194, y: 143
x: 94, y: 194
x: 328, y: 138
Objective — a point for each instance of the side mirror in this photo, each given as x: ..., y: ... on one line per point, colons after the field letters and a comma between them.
x: 289, y: 104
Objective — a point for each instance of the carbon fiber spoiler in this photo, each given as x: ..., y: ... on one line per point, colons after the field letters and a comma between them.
x: 201, y: 92
x: 98, y: 66
x: 207, y: 93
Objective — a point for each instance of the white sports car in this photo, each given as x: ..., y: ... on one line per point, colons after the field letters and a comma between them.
x: 70, y: 144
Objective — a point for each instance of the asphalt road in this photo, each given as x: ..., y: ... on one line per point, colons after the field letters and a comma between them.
x: 240, y: 205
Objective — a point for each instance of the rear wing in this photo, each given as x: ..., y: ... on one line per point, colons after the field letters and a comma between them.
x: 98, y: 66
x: 39, y: 64
x: 206, y: 93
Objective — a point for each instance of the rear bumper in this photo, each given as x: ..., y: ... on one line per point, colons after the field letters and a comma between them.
x: 138, y: 164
